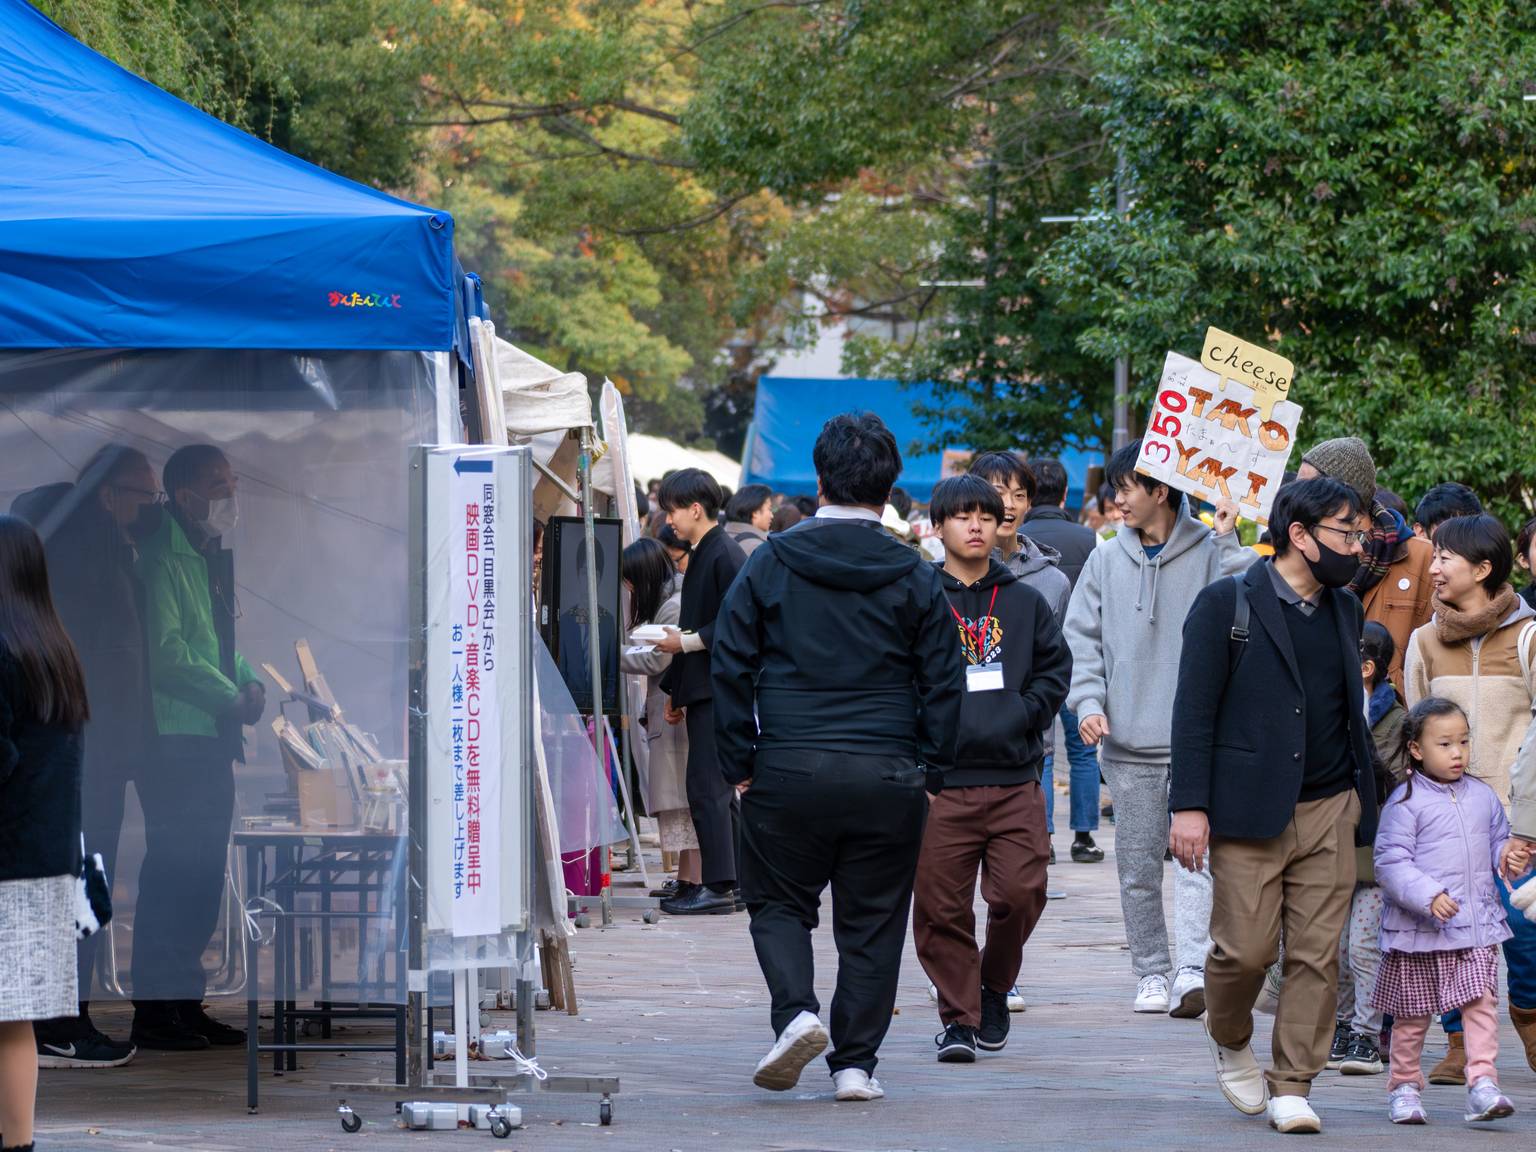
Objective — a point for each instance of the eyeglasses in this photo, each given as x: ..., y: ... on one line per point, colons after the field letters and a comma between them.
x: 1351, y: 536
x: 156, y: 497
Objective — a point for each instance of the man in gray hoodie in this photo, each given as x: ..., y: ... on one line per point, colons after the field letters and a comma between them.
x: 1125, y: 628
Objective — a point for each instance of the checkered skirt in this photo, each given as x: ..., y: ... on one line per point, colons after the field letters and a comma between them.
x: 37, y: 949
x: 1428, y: 983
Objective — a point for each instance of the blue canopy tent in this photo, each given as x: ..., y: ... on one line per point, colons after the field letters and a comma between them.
x: 129, y: 219
x: 789, y: 413
x: 168, y: 281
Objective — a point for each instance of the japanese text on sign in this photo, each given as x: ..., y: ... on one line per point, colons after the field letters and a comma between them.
x: 1208, y: 436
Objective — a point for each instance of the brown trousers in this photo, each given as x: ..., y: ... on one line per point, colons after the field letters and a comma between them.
x: 1300, y: 882
x: 1001, y: 830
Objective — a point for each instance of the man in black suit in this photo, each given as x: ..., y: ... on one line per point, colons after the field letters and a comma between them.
x: 1272, y: 769
x: 691, y: 500
x: 837, y: 702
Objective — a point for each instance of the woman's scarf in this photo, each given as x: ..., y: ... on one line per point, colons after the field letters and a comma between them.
x: 1453, y: 625
x: 1388, y: 530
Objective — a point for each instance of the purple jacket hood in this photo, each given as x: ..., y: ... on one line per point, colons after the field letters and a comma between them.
x: 1442, y: 838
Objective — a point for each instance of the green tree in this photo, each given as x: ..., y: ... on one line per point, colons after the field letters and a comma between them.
x: 1350, y: 181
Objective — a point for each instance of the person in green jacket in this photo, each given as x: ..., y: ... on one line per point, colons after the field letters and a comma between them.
x: 203, y: 693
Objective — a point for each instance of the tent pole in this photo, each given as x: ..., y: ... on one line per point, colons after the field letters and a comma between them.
x: 594, y: 622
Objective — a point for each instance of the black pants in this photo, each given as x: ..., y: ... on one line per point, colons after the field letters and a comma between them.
x: 188, y: 797
x: 856, y: 822
x: 711, y: 800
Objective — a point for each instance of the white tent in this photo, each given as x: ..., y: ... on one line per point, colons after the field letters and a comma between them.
x: 652, y: 457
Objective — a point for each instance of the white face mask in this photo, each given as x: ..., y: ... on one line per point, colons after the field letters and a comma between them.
x: 222, y: 516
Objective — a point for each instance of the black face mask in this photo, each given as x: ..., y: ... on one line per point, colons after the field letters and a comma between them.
x: 147, y: 522
x: 1332, y: 569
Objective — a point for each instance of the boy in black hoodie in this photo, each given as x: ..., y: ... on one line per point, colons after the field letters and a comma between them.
x: 991, y: 812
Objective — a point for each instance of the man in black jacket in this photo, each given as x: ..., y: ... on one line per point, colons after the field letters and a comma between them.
x: 691, y: 499
x: 837, y: 700
x: 1272, y: 769
x: 991, y: 814
x: 1048, y: 524
x: 89, y: 530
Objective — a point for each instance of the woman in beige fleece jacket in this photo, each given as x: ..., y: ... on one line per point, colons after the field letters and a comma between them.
x: 1479, y: 649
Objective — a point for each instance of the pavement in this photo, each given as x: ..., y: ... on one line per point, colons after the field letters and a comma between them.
x: 678, y: 1011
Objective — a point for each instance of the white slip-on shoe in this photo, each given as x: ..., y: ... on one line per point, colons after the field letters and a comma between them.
x: 1239, y: 1077
x: 1015, y: 999
x: 1293, y: 1115
x: 856, y: 1084
x: 802, y: 1040
x: 1187, y: 1000
x: 1151, y: 994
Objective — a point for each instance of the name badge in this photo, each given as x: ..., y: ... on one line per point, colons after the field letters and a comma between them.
x: 984, y: 678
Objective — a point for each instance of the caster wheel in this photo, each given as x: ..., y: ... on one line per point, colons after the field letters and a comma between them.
x: 650, y: 916
x: 350, y: 1120
x: 311, y: 1029
x: 605, y: 1113
x: 583, y: 920
x: 501, y: 1128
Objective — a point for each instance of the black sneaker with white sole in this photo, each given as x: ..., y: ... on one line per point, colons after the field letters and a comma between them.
x: 957, y: 1045
x: 1363, y: 1057
x: 1341, y: 1038
x: 992, y: 1036
x: 90, y: 1050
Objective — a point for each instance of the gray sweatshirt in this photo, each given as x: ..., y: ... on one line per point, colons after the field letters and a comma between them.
x: 1125, y: 626
x: 1039, y: 566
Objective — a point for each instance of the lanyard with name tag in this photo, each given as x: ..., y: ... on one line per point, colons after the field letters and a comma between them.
x: 984, y: 678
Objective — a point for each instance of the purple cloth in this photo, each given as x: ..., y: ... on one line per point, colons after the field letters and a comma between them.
x: 1441, y: 838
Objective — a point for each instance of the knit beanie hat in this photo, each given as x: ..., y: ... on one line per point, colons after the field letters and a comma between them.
x: 1347, y: 460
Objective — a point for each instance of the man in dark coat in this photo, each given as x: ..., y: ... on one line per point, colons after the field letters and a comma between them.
x: 691, y: 499
x: 1048, y: 524
x: 90, y: 529
x: 1272, y: 770
x: 837, y: 686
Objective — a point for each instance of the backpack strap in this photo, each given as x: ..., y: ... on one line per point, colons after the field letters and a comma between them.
x: 1240, y: 617
x: 1523, y: 646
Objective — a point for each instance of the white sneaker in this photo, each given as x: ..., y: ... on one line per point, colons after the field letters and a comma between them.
x: 1240, y: 1079
x: 933, y: 992
x: 1187, y: 1000
x: 1292, y: 1114
x: 802, y: 1040
x: 1151, y: 994
x: 1269, y: 996
x: 1015, y: 999
x: 856, y: 1084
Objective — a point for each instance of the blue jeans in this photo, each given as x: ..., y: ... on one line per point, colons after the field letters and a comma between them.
x: 1084, y: 780
x: 1519, y: 959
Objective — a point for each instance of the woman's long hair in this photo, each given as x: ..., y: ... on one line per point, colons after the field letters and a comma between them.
x: 51, y: 680
x: 1418, y: 716
x: 649, y: 571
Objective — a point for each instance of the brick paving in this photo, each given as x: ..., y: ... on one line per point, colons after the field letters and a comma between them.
x: 679, y: 1012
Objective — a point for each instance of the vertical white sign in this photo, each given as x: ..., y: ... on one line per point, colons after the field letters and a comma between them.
x: 475, y: 757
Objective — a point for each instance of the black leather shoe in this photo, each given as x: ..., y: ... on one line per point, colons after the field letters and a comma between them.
x: 700, y: 901
x: 198, y: 1021
x: 1087, y: 852
x: 166, y: 1034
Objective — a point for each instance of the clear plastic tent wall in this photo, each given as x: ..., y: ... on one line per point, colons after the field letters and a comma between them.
x: 280, y: 839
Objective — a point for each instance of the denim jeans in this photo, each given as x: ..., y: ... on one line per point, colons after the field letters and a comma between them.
x: 1519, y: 961
x: 1084, y: 780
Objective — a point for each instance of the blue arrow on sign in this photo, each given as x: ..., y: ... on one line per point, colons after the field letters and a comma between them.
x: 461, y: 466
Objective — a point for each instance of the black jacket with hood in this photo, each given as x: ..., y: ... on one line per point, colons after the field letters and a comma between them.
x: 1003, y: 620
x: 836, y: 638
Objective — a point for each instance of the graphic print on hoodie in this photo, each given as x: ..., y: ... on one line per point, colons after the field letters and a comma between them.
x: 1002, y: 620
x: 1125, y: 625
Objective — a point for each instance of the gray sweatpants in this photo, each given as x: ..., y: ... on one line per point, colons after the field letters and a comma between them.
x: 1140, y: 794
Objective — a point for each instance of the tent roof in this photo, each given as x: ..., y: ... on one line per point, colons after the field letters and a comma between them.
x: 651, y: 457
x: 131, y: 219
x: 789, y: 413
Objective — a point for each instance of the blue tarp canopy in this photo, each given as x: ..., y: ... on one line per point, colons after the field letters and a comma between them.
x: 129, y: 219
x: 789, y: 413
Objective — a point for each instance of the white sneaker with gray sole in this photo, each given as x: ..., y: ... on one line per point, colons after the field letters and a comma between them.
x: 856, y: 1084
x: 802, y: 1040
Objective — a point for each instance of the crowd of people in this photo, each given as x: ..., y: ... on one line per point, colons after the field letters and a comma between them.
x: 1326, y: 732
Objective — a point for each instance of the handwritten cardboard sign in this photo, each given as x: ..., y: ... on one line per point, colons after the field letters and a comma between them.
x: 1267, y: 374
x: 1211, y: 436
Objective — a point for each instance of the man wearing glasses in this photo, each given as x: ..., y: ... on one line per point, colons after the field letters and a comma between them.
x: 204, y: 692
x: 1272, y: 771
